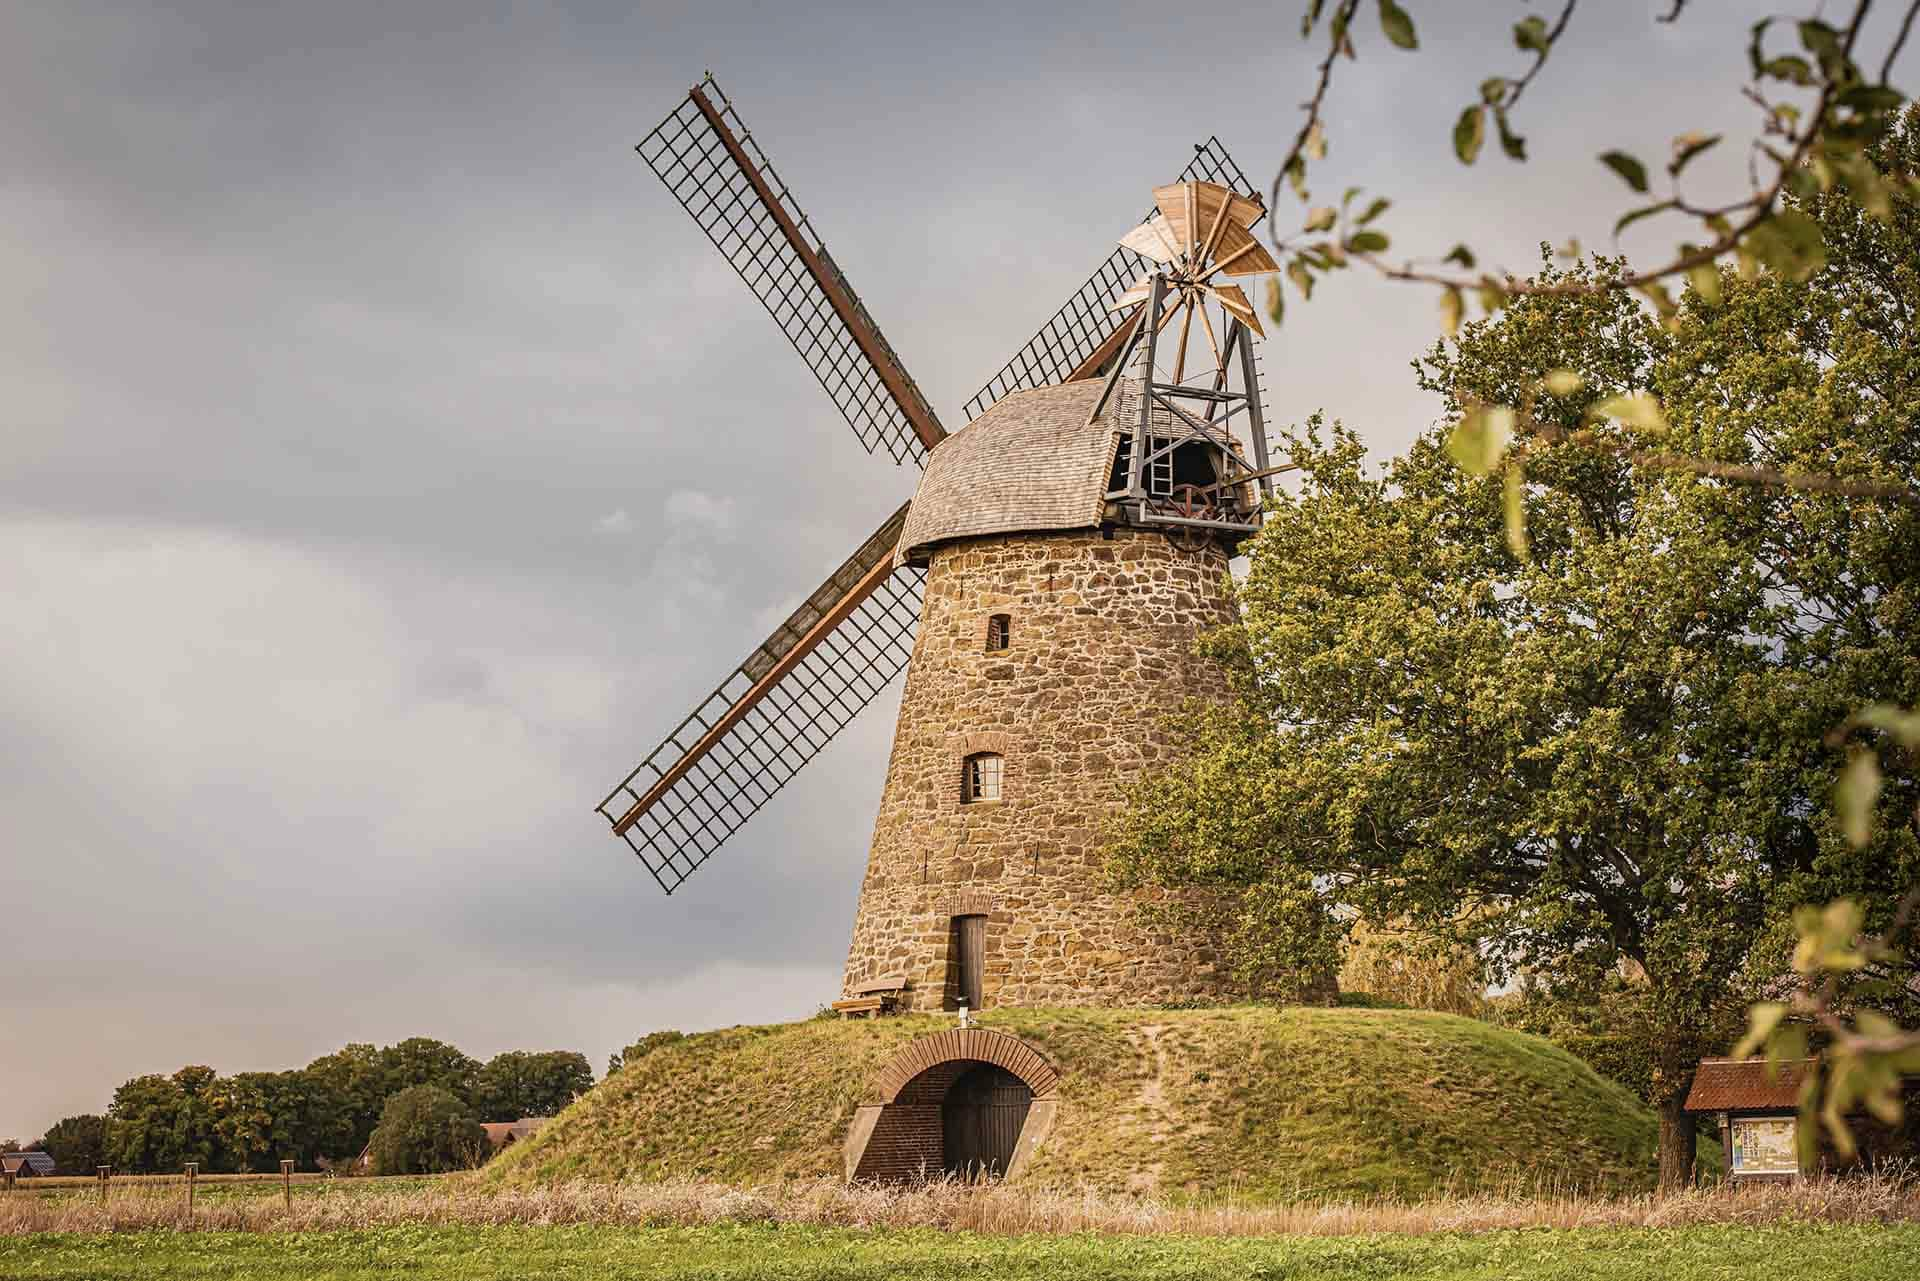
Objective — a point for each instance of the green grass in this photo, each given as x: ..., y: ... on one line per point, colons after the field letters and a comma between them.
x: 1256, y: 1103
x: 727, y: 1253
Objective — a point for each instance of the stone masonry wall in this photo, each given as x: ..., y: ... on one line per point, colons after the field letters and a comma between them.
x: 1102, y: 636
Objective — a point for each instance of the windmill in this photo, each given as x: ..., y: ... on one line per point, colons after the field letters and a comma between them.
x: 1110, y: 447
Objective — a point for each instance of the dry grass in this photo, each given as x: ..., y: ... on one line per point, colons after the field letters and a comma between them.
x: 952, y: 1206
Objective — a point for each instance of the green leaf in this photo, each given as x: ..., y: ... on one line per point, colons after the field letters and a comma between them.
x: 1379, y: 206
x: 1864, y: 182
x: 1871, y: 99
x: 1462, y: 255
x: 1513, y: 488
x: 1510, y: 142
x: 1398, y: 26
x: 1789, y: 243
x: 1689, y: 145
x: 1530, y: 34
x: 1302, y: 278
x: 1635, y: 215
x: 1563, y: 382
x: 1631, y: 171
x: 1640, y: 408
x: 1297, y: 177
x: 1762, y: 1018
x: 1902, y: 724
x: 1276, y: 304
x: 1469, y: 131
x: 1855, y: 794
x: 1320, y: 218
x: 1479, y: 441
x: 1756, y: 51
x: 1315, y: 144
x: 1705, y: 279
x: 1789, y: 67
x: 1452, y: 307
x: 1367, y: 242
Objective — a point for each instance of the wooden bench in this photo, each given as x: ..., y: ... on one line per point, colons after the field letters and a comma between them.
x: 871, y: 999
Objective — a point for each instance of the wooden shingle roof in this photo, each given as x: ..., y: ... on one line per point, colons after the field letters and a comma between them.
x: 1742, y: 1084
x: 1031, y: 462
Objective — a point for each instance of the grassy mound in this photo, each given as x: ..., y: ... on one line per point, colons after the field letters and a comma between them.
x: 1264, y: 1104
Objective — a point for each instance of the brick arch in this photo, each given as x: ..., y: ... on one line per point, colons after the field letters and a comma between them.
x: 971, y: 903
x: 966, y: 1044
x: 991, y: 740
x: 898, y: 1133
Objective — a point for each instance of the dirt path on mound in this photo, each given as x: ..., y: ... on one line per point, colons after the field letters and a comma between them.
x: 1151, y: 1102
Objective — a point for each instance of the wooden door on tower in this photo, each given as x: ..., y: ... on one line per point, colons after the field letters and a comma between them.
x: 981, y: 1119
x: 973, y: 960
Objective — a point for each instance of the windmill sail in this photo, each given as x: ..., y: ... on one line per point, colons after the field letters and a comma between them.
x: 781, y: 706
x: 1074, y: 342
x: 705, y: 155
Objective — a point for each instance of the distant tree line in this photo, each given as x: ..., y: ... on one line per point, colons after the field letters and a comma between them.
x: 250, y: 1121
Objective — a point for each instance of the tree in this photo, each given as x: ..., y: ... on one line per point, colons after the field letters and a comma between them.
x: 158, y: 1123
x: 1602, y: 740
x: 425, y: 1129
x: 516, y: 1083
x: 77, y: 1144
x: 421, y: 1060
x: 353, y: 1084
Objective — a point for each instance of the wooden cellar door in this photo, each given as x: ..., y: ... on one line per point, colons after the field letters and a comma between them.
x: 981, y: 1120
x: 972, y: 931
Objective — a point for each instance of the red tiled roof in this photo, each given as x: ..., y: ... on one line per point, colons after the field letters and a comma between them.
x: 1737, y: 1084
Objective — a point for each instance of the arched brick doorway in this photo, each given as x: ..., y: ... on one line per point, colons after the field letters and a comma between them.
x: 967, y: 1096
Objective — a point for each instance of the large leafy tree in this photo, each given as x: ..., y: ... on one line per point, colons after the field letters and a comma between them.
x: 354, y: 1079
x: 158, y: 1123
x: 517, y: 1083
x: 1593, y: 743
x: 421, y: 1060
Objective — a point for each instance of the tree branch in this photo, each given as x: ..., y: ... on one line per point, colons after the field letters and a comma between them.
x: 1337, y: 26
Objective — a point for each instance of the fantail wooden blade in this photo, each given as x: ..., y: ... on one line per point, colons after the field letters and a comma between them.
x: 1234, y: 300
x: 1153, y: 239
x: 1138, y: 292
x: 1238, y: 254
x: 1205, y: 200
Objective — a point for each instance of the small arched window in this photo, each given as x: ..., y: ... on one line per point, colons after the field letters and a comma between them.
x: 980, y: 778
x: 999, y: 632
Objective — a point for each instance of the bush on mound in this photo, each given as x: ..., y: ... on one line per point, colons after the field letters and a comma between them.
x: 1263, y: 1104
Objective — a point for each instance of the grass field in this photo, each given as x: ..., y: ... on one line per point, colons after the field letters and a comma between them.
x: 1259, y: 1103
x: 726, y: 1253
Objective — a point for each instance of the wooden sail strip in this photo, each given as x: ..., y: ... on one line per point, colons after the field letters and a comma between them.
x: 925, y: 426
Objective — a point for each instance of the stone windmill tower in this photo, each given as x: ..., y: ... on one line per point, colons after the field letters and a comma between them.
x: 1043, y: 591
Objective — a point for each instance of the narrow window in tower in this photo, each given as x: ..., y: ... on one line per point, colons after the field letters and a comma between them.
x: 999, y: 632
x: 980, y: 778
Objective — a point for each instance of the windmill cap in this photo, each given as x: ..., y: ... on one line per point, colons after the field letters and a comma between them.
x: 1031, y: 463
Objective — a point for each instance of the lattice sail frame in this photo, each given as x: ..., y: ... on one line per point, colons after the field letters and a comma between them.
x: 708, y: 159
x: 787, y: 725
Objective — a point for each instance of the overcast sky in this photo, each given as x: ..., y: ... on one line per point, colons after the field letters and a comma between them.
x: 359, y: 526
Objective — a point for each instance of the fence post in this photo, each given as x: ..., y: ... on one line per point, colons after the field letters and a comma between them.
x: 286, y: 1182
x: 105, y: 1173
x: 193, y: 1172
